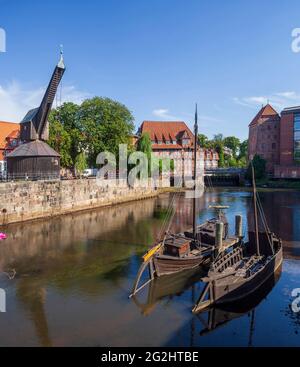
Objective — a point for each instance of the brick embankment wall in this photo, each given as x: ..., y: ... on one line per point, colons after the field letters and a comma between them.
x: 21, y: 201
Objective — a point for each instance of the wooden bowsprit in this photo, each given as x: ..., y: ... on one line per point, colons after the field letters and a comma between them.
x: 206, y: 298
x: 148, y: 263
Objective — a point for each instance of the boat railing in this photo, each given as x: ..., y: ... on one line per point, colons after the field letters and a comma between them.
x: 228, y: 260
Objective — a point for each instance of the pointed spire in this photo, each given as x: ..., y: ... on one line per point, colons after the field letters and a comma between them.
x: 61, y: 63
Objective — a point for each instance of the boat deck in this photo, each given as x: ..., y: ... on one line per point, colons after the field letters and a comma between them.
x: 230, y: 241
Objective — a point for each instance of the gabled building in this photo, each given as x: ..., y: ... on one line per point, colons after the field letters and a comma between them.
x: 9, y: 140
x: 168, y: 135
x: 276, y: 138
x: 264, y: 137
x: 176, y: 139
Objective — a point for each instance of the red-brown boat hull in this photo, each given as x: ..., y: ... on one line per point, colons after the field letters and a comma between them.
x: 165, y: 265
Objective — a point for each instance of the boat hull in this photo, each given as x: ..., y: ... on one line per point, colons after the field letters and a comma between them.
x: 165, y: 265
x: 228, y: 292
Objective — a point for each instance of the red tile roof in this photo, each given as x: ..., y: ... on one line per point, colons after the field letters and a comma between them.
x: 9, y: 130
x: 172, y: 130
x: 14, y: 134
x: 266, y: 111
x: 166, y: 146
x: 166, y: 130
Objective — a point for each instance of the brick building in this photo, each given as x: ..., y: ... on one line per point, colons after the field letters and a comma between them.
x: 289, y: 165
x: 175, y: 139
x: 264, y: 137
x: 276, y: 138
x: 9, y: 140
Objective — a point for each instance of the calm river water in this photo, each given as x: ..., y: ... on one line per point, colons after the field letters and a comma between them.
x: 74, y: 275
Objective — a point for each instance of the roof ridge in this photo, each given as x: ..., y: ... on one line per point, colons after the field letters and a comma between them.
x: 261, y: 113
x: 9, y: 122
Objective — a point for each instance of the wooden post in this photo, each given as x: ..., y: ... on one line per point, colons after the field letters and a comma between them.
x: 239, y: 226
x: 219, y: 235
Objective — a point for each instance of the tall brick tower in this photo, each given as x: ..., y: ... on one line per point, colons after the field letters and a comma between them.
x: 264, y: 137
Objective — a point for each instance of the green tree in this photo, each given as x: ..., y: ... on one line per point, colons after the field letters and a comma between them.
x: 97, y: 125
x: 67, y: 115
x: 105, y: 124
x: 232, y: 143
x: 259, y: 165
x: 231, y: 162
x: 218, y: 146
x: 218, y: 139
x: 203, y: 141
x: 145, y: 145
x: 244, y: 149
x: 242, y: 162
x: 80, y: 163
x: 60, y: 140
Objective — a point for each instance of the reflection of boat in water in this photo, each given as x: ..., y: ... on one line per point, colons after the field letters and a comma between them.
x: 242, y: 271
x: 167, y: 287
x: 220, y: 315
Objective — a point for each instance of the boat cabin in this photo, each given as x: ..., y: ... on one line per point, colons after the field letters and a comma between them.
x: 179, y: 247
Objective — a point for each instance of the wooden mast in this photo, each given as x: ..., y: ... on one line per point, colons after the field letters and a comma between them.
x: 255, y: 211
x: 195, y: 174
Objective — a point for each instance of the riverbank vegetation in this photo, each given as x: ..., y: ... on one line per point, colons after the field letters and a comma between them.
x: 96, y: 125
x: 278, y: 184
x: 232, y: 152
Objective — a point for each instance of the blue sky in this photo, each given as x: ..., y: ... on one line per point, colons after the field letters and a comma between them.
x: 158, y: 57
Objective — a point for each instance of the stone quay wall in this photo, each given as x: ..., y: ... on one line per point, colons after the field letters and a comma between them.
x: 22, y: 201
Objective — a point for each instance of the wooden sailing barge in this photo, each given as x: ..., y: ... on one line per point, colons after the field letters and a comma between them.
x: 242, y: 271
x: 191, y: 249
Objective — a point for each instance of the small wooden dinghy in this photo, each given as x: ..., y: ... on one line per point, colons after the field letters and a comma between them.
x: 242, y: 271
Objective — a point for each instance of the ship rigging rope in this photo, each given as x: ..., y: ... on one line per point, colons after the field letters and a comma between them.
x: 167, y: 222
x: 264, y: 220
x: 168, y: 218
x: 262, y: 213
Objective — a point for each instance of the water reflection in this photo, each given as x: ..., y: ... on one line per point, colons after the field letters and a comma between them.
x: 74, y: 274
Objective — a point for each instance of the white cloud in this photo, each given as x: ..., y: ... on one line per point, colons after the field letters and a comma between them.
x: 279, y: 100
x: 163, y: 113
x: 16, y: 100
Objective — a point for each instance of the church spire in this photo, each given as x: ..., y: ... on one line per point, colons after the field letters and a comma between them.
x: 61, y: 63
